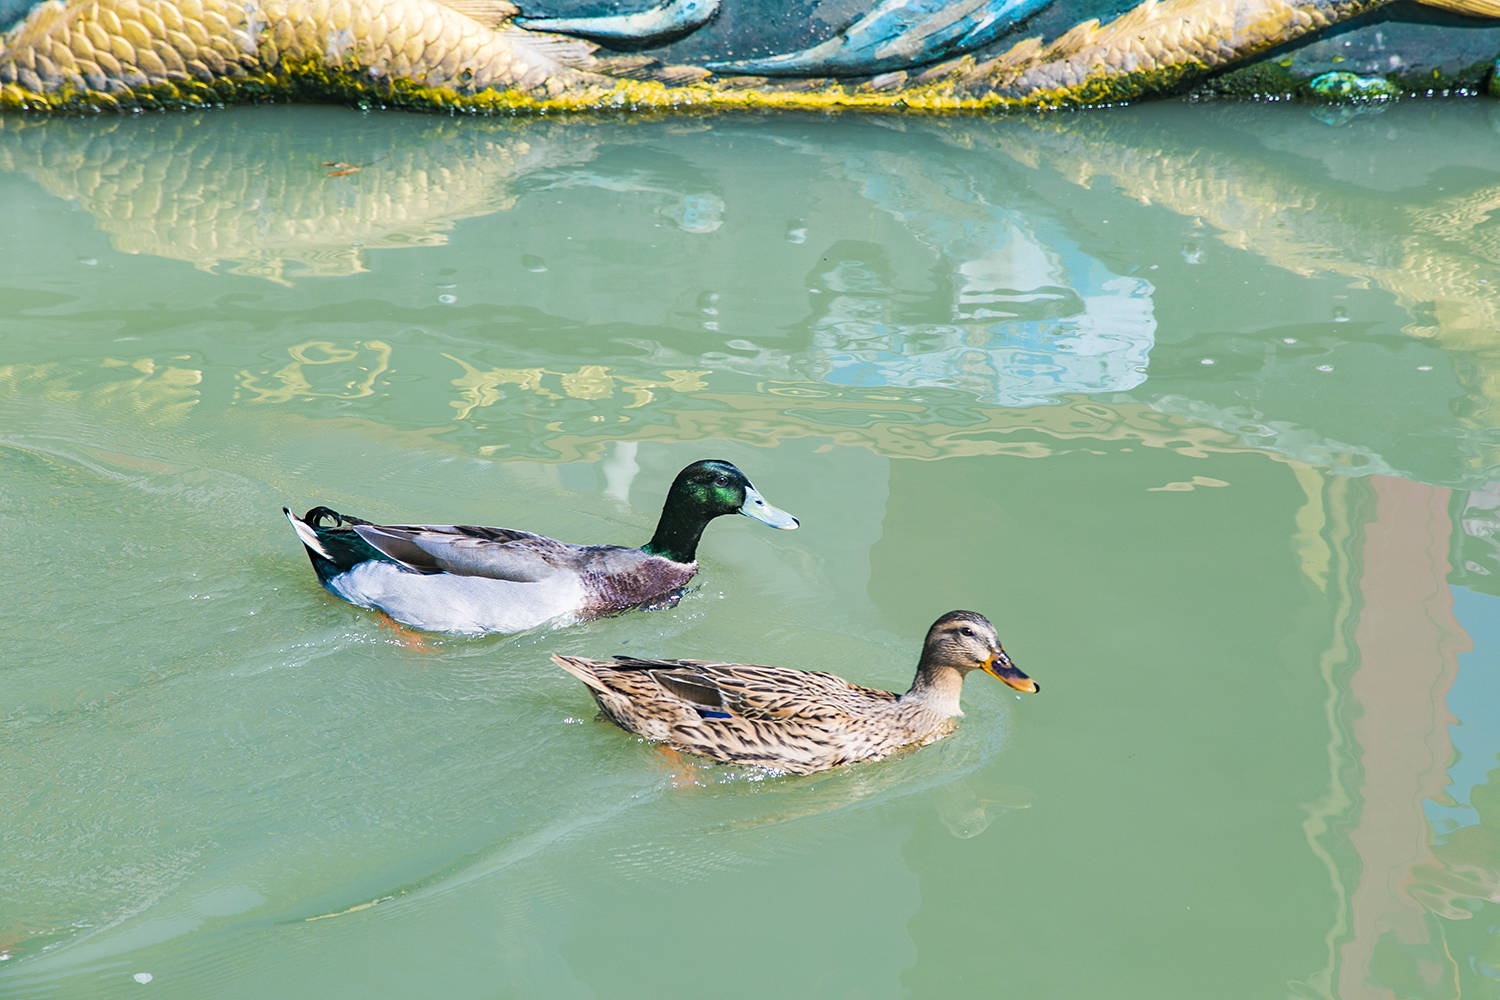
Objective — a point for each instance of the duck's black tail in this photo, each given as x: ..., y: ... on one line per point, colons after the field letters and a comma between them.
x: 315, y: 516
x: 332, y: 548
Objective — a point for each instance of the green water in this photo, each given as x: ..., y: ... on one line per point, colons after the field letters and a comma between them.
x: 1196, y: 402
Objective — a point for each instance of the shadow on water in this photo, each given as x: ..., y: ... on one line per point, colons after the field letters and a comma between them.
x: 709, y: 818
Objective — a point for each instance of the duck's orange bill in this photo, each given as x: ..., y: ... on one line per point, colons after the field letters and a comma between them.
x: 1000, y: 667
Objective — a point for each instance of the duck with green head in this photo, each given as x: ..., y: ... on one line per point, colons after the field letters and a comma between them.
x: 462, y: 578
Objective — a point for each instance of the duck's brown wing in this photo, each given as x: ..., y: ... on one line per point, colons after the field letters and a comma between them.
x: 759, y: 692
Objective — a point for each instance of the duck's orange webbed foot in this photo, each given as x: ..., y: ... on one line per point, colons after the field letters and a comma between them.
x: 409, y: 638
x: 683, y: 771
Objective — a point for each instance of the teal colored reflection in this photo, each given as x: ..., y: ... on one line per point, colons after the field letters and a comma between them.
x: 1474, y: 700
x: 1033, y: 319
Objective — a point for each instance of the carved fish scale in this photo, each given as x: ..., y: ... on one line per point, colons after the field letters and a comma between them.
x: 91, y: 54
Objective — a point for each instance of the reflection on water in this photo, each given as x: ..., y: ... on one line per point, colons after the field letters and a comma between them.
x: 322, y: 368
x: 990, y: 270
x: 270, y: 202
x: 1200, y: 400
x: 1027, y: 322
x: 1020, y: 313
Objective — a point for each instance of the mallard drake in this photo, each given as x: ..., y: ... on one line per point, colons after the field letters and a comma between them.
x: 798, y: 721
x: 460, y: 578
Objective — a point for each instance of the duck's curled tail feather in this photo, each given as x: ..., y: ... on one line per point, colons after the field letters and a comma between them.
x: 331, y: 551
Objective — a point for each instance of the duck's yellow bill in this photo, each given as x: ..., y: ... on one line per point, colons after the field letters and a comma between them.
x: 1000, y: 667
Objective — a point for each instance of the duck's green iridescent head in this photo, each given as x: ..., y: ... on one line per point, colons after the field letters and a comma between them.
x: 701, y: 492
x: 714, y: 486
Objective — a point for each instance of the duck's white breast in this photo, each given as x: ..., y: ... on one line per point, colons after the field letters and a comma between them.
x: 444, y: 602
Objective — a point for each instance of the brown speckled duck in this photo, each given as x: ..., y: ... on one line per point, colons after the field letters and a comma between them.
x: 460, y: 578
x: 798, y: 721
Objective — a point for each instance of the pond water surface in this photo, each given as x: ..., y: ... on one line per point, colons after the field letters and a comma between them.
x: 1197, y: 402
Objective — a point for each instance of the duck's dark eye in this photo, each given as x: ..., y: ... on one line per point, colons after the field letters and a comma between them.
x: 722, y: 481
x: 967, y: 631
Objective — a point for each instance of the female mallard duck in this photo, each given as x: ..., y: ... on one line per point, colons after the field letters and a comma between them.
x: 796, y: 720
x: 459, y: 578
